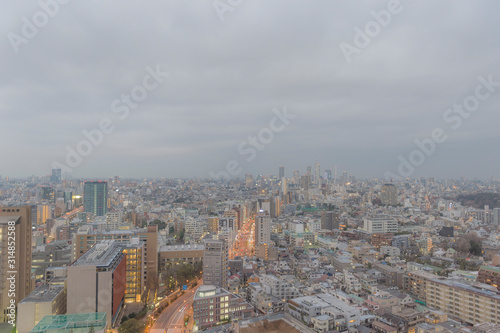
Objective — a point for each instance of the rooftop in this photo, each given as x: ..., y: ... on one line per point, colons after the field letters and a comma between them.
x: 103, y: 254
x: 170, y: 248
x: 44, y: 293
x: 77, y: 323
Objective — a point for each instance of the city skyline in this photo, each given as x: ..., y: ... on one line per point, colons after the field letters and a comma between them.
x: 213, y: 84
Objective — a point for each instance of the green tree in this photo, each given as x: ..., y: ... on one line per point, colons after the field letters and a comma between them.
x: 132, y: 326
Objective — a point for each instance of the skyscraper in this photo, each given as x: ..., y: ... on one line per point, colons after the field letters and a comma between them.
x: 389, y: 195
x: 56, y: 176
x: 281, y: 173
x: 262, y: 228
x: 15, y: 258
x: 95, y: 197
x: 215, y: 263
x: 317, y: 176
x: 296, y: 177
x: 283, y: 186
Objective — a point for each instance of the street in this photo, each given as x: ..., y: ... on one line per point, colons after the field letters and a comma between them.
x: 171, y: 320
x: 244, y: 241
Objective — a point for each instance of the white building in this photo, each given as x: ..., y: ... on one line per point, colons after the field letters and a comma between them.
x: 380, y: 225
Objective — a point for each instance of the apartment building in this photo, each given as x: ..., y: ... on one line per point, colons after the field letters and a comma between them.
x: 215, y: 306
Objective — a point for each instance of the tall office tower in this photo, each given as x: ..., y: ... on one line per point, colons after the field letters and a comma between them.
x: 48, y: 194
x: 151, y: 278
x: 496, y: 216
x: 344, y: 178
x: 15, y: 258
x: 248, y: 180
x: 317, y: 176
x: 335, y: 174
x: 309, y: 172
x: 330, y: 220
x: 215, y: 263
x: 296, y: 177
x: 44, y: 212
x: 328, y: 174
x: 283, y: 186
x: 304, y: 182
x: 56, y: 176
x: 281, y: 173
x: 262, y: 228
x: 389, y: 195
x: 95, y: 197
x: 97, y: 281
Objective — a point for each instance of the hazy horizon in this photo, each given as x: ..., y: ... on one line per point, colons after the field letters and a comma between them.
x: 228, y: 71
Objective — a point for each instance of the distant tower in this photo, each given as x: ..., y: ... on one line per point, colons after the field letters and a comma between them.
x: 56, y: 176
x: 281, y: 173
x: 317, y: 175
x: 309, y: 172
x: 283, y: 186
x: 389, y: 195
x: 296, y: 176
x: 95, y: 197
x: 249, y: 180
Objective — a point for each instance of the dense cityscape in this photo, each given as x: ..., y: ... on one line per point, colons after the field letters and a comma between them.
x: 305, y: 251
x: 237, y: 166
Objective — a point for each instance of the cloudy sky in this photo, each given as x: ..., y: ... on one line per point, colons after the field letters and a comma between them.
x: 360, y: 101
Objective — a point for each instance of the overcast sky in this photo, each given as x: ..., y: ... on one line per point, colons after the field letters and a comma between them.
x: 227, y: 75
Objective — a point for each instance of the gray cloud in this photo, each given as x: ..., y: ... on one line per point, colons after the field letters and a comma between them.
x: 227, y: 76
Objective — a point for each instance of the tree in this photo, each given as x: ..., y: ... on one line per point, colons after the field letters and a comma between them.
x: 131, y: 326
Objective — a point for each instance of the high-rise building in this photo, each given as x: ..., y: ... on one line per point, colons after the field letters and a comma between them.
x: 283, y: 186
x: 48, y: 194
x: 95, y: 197
x: 317, y: 175
x: 281, y: 172
x: 330, y: 220
x: 85, y: 238
x: 44, y: 212
x: 249, y: 180
x: 262, y: 228
x: 56, y: 176
x: 389, y: 195
x: 328, y: 174
x: 97, y: 281
x: 215, y: 263
x: 15, y: 259
x: 296, y: 177
x: 496, y: 216
x: 213, y: 224
x: 305, y: 181
x: 114, y: 220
